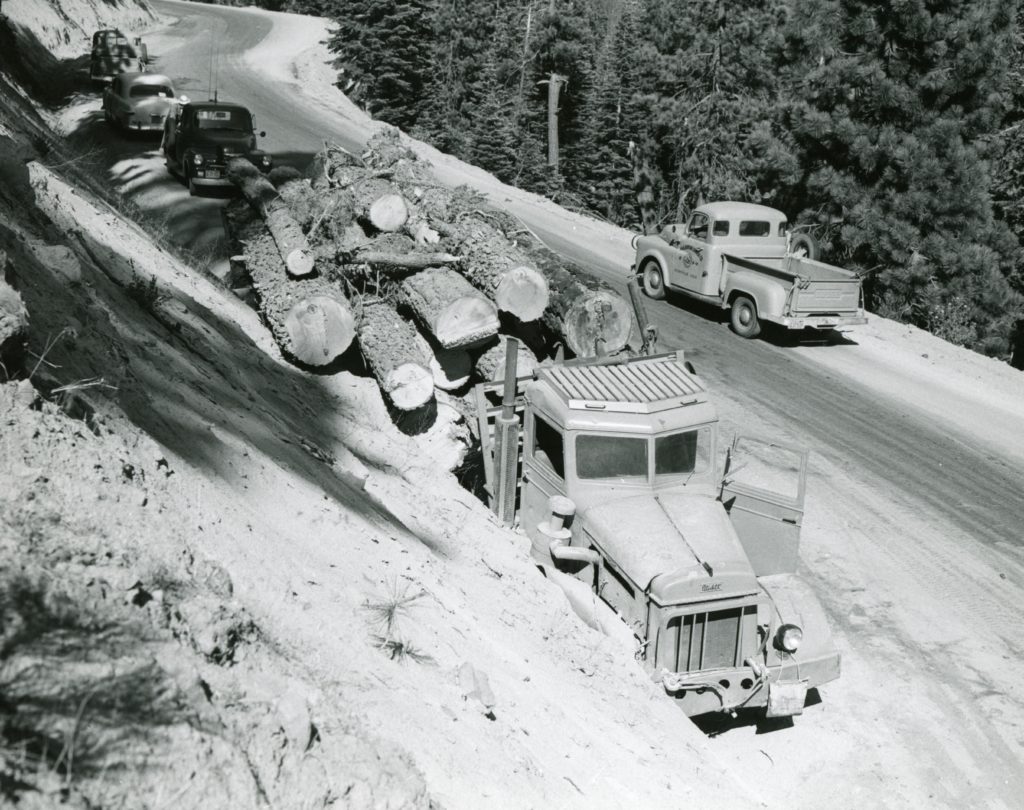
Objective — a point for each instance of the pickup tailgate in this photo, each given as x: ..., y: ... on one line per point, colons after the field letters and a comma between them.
x: 822, y: 289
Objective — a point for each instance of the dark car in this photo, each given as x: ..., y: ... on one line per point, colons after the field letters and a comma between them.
x: 138, y: 101
x: 113, y: 53
x: 201, y: 137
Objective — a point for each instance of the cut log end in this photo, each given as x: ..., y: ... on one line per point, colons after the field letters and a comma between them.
x: 466, y: 322
x: 388, y: 213
x: 299, y: 263
x: 523, y: 292
x: 598, y: 323
x: 409, y: 386
x: 490, y: 366
x: 320, y: 330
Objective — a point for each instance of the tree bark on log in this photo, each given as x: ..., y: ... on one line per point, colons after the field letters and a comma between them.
x: 287, y: 233
x: 497, y: 267
x: 490, y: 366
x: 449, y: 307
x: 311, y: 319
x: 398, y: 261
x: 392, y: 349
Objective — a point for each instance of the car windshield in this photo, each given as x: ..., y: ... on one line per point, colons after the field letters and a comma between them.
x: 150, y: 91
x: 224, y: 119
x: 626, y: 459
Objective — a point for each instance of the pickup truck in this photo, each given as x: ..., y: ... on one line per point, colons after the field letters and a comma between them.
x: 741, y: 257
x: 615, y: 482
x: 199, y: 139
x: 113, y: 53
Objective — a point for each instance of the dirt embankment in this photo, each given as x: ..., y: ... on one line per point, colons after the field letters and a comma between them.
x: 228, y: 583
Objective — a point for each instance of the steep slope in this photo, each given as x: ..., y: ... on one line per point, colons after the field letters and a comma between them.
x: 280, y: 557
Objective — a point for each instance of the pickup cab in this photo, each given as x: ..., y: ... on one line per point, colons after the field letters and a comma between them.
x: 741, y: 257
x: 618, y: 486
x: 114, y: 53
x: 199, y: 138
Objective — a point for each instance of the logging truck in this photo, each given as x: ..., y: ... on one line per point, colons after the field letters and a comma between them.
x: 615, y: 482
x: 744, y: 258
x: 113, y: 53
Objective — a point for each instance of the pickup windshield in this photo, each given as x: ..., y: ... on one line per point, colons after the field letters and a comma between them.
x: 150, y: 91
x: 627, y: 459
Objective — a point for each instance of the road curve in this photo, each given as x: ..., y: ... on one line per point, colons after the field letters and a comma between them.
x: 956, y: 483
x: 926, y: 554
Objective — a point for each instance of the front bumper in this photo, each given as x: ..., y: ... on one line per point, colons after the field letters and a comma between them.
x: 723, y: 690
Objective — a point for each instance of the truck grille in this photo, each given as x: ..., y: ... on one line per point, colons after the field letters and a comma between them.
x: 713, y: 640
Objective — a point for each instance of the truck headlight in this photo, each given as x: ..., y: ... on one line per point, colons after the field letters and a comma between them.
x: 265, y: 160
x: 197, y: 159
x: 788, y: 637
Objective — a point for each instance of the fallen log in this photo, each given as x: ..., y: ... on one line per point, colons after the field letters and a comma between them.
x: 490, y: 366
x: 451, y: 368
x: 394, y: 355
x: 398, y: 261
x: 379, y: 204
x: 262, y: 196
x: 498, y: 268
x: 311, y: 319
x: 449, y: 307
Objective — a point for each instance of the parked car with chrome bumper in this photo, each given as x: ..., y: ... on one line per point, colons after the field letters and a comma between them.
x: 138, y: 102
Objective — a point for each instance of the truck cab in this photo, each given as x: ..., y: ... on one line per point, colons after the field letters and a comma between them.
x: 742, y: 257
x: 114, y: 53
x: 200, y: 137
x: 620, y: 488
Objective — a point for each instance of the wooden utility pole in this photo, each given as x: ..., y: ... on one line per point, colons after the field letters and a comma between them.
x: 554, y: 82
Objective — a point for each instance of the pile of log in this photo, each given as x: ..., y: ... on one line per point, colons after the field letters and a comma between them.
x: 427, y: 281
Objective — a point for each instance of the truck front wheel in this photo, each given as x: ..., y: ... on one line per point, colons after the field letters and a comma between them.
x: 744, y: 317
x: 654, y: 280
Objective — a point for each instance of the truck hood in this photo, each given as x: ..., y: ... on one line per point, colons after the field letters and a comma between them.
x: 679, y: 546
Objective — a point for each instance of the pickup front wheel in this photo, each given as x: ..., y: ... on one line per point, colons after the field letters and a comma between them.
x: 744, y: 317
x: 654, y: 280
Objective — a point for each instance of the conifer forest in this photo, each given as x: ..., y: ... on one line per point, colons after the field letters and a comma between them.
x: 892, y: 131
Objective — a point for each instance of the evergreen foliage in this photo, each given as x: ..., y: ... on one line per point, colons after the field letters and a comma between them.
x: 894, y: 128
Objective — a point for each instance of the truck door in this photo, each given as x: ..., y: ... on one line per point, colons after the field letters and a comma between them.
x: 763, y: 491
x: 690, y: 253
x: 543, y: 476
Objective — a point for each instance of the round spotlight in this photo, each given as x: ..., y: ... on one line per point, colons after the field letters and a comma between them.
x: 788, y: 638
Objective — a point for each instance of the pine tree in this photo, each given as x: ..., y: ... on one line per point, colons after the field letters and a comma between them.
x: 382, y: 55
x: 894, y: 130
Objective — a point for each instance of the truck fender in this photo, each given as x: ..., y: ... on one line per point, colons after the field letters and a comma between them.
x: 593, y: 611
x: 796, y: 603
x: 768, y: 294
x: 656, y: 248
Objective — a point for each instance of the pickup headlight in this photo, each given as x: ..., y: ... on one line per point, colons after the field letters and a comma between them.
x: 788, y: 638
x: 265, y: 160
x: 197, y: 159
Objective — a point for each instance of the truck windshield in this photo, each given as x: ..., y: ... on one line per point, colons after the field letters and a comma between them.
x: 626, y: 458
x: 619, y: 458
x: 685, y: 453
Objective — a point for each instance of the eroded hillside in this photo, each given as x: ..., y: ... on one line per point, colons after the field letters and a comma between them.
x: 229, y: 583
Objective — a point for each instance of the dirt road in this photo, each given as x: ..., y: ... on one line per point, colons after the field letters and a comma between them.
x: 913, y: 531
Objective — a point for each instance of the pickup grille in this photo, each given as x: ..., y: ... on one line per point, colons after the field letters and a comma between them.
x: 713, y: 640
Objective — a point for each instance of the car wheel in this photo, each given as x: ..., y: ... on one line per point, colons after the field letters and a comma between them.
x: 806, y: 243
x: 653, y: 279
x: 106, y: 116
x: 744, y: 317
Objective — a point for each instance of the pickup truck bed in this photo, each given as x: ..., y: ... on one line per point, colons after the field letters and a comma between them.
x: 815, y: 288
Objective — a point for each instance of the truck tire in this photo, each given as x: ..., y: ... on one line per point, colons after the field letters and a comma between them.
x: 805, y: 242
x: 743, y: 317
x: 653, y: 279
